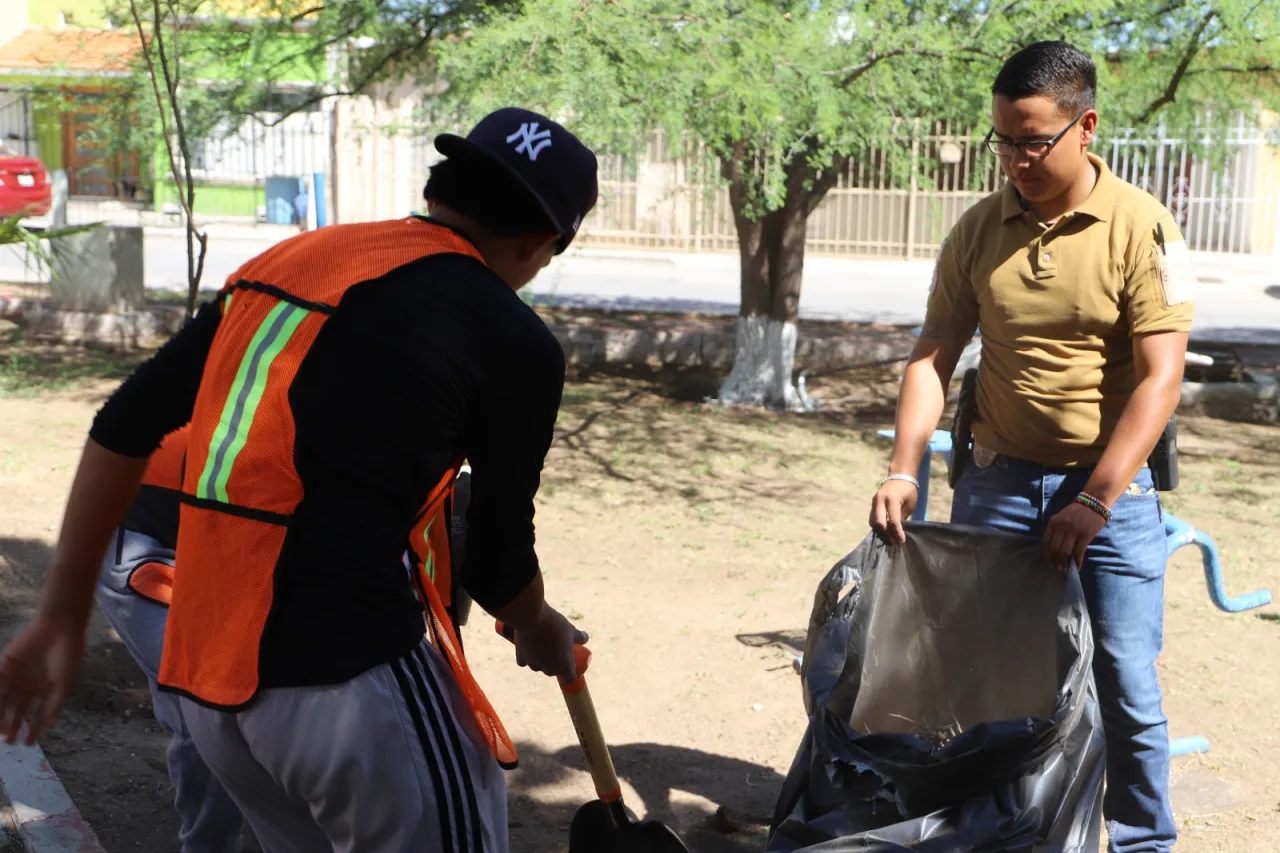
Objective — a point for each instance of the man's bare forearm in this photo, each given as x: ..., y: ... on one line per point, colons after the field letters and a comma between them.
x: 1143, y: 419
x: 920, y: 404
x: 105, y: 485
x: 526, y: 610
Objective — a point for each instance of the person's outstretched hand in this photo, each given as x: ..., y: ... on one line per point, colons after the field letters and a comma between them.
x: 37, y: 671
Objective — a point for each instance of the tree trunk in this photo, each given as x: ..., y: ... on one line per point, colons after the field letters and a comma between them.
x: 771, y: 249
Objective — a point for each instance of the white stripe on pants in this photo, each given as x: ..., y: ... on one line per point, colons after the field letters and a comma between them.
x: 388, y: 762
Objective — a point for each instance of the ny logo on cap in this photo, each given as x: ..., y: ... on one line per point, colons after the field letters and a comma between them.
x: 531, y: 141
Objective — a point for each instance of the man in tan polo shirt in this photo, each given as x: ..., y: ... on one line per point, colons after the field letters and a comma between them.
x: 1081, y: 287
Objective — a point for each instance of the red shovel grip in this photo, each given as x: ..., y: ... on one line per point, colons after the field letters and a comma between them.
x: 581, y: 660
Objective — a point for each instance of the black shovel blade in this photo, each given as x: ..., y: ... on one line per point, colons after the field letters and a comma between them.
x: 601, y: 828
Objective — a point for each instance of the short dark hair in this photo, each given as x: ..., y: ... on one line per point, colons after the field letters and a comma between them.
x: 1050, y: 69
x: 488, y: 195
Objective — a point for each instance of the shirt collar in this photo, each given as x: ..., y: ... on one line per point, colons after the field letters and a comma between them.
x: 455, y: 229
x: 1100, y: 205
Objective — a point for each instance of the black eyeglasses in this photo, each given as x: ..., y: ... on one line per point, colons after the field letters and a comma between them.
x: 1033, y: 150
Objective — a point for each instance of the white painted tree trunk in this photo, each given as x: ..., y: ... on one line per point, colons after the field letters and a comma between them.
x: 763, y: 364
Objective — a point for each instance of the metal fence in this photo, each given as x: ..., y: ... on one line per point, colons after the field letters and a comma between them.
x: 232, y: 170
x: 257, y: 149
x: 900, y: 198
x: 1222, y: 203
x: 17, y: 124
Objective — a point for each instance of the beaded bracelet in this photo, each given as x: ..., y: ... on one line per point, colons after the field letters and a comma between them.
x: 1086, y: 499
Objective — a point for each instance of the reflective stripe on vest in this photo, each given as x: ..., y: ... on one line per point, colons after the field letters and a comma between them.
x: 242, y: 403
x: 241, y: 487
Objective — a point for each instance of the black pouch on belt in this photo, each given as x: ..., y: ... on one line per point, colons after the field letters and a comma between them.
x: 962, y: 427
x: 1163, y: 460
x: 458, y: 546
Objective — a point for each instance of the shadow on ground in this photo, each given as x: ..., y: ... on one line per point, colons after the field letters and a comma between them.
x: 22, y: 565
x: 28, y: 368
x: 624, y: 428
x: 656, y: 772
x: 106, y: 747
x: 110, y: 682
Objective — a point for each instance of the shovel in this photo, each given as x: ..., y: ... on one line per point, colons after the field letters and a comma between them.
x: 603, y: 825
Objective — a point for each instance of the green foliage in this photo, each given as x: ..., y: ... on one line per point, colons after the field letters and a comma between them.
x: 1189, y: 63
x: 766, y: 86
x: 14, y: 233
x: 266, y: 59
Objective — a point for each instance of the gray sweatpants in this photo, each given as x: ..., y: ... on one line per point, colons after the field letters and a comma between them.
x: 388, y: 762
x: 211, y: 822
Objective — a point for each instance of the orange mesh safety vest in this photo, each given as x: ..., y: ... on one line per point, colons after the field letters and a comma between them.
x: 164, y: 468
x: 241, y: 488
x: 154, y: 579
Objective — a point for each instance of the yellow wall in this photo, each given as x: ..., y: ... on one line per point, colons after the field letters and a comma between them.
x: 90, y: 14
x: 1265, y: 233
x: 13, y: 18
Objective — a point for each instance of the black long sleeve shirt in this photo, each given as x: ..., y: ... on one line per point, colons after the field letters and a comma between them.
x: 435, y: 360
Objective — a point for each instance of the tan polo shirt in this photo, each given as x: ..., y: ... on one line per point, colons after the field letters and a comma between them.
x: 1057, y: 306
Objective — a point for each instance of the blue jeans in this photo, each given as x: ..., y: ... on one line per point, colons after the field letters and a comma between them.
x: 1123, y: 579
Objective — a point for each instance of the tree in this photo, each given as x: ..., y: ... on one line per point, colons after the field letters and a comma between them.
x: 784, y: 93
x: 244, y: 53
x: 160, y: 38
x: 206, y: 67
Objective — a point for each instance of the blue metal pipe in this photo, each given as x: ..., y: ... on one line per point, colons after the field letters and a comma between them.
x: 1179, y: 534
x: 1188, y: 746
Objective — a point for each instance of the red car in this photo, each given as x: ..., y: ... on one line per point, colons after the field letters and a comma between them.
x: 25, y: 186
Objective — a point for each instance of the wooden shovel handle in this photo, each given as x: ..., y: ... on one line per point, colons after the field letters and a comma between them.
x: 582, y: 711
x: 586, y: 724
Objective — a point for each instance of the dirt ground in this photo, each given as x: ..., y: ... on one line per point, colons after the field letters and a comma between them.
x: 687, y: 539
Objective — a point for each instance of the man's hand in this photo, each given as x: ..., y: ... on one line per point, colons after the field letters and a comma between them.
x: 548, y: 647
x: 893, y: 504
x: 1068, y: 535
x: 37, y: 671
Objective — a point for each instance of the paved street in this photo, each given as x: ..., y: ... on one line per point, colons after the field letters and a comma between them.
x: 1239, y: 296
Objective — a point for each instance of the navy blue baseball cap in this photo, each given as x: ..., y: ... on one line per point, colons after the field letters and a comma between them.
x: 547, y: 160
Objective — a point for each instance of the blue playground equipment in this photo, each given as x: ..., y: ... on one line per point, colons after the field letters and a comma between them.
x: 1178, y: 534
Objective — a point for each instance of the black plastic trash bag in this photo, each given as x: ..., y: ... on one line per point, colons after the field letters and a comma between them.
x: 951, y: 704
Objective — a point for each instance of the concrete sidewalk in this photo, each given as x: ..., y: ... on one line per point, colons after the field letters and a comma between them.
x: 1239, y: 298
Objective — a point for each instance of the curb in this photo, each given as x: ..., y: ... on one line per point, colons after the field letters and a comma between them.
x: 707, y: 341
x: 1241, y: 402
x: 46, y: 819
x: 146, y: 329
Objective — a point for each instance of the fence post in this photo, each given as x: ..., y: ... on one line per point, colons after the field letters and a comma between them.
x: 26, y: 126
x: 60, y: 195
x: 697, y: 159
x: 1275, y: 216
x: 913, y: 191
x: 1158, y: 179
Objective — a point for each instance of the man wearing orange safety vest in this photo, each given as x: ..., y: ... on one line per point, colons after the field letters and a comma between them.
x: 333, y: 390
x: 134, y: 590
